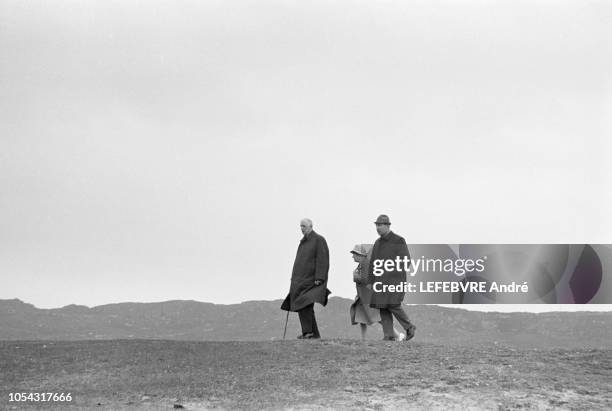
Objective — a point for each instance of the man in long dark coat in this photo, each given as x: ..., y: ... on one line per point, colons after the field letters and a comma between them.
x: 388, y: 247
x: 308, y: 279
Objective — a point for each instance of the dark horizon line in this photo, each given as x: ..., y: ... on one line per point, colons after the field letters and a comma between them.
x: 449, y: 306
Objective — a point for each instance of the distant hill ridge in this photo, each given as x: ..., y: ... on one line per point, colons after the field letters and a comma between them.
x: 263, y: 320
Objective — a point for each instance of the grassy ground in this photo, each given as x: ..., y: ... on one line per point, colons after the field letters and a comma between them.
x: 344, y: 374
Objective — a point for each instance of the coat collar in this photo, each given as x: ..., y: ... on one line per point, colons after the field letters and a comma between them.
x: 307, y: 236
x: 387, y: 236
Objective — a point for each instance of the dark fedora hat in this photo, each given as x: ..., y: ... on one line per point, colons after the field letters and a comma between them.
x: 383, y: 219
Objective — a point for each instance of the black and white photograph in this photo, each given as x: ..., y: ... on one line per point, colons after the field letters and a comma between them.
x: 306, y: 205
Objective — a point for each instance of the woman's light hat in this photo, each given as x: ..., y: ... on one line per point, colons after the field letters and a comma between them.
x: 359, y: 249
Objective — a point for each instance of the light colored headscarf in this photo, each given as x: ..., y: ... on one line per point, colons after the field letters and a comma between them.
x: 362, y: 249
x: 365, y: 250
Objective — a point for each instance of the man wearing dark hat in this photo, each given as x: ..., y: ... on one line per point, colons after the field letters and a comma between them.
x: 308, y: 279
x: 388, y: 247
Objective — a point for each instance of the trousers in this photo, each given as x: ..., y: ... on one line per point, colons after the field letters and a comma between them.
x: 386, y: 319
x: 308, y: 321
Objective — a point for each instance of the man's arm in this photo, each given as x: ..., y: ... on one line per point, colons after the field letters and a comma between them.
x: 403, y: 250
x: 322, y: 261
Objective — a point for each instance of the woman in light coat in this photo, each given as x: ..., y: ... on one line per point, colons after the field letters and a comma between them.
x: 361, y: 312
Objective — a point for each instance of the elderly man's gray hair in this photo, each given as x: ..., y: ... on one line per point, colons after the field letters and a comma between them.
x: 306, y: 221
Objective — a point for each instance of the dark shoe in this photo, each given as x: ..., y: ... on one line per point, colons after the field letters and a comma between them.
x: 389, y: 339
x: 410, y: 331
x: 308, y: 336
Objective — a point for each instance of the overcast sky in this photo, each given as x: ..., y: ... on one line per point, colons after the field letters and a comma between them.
x: 167, y: 150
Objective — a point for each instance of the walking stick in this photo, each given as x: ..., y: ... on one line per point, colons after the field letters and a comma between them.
x: 286, y: 320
